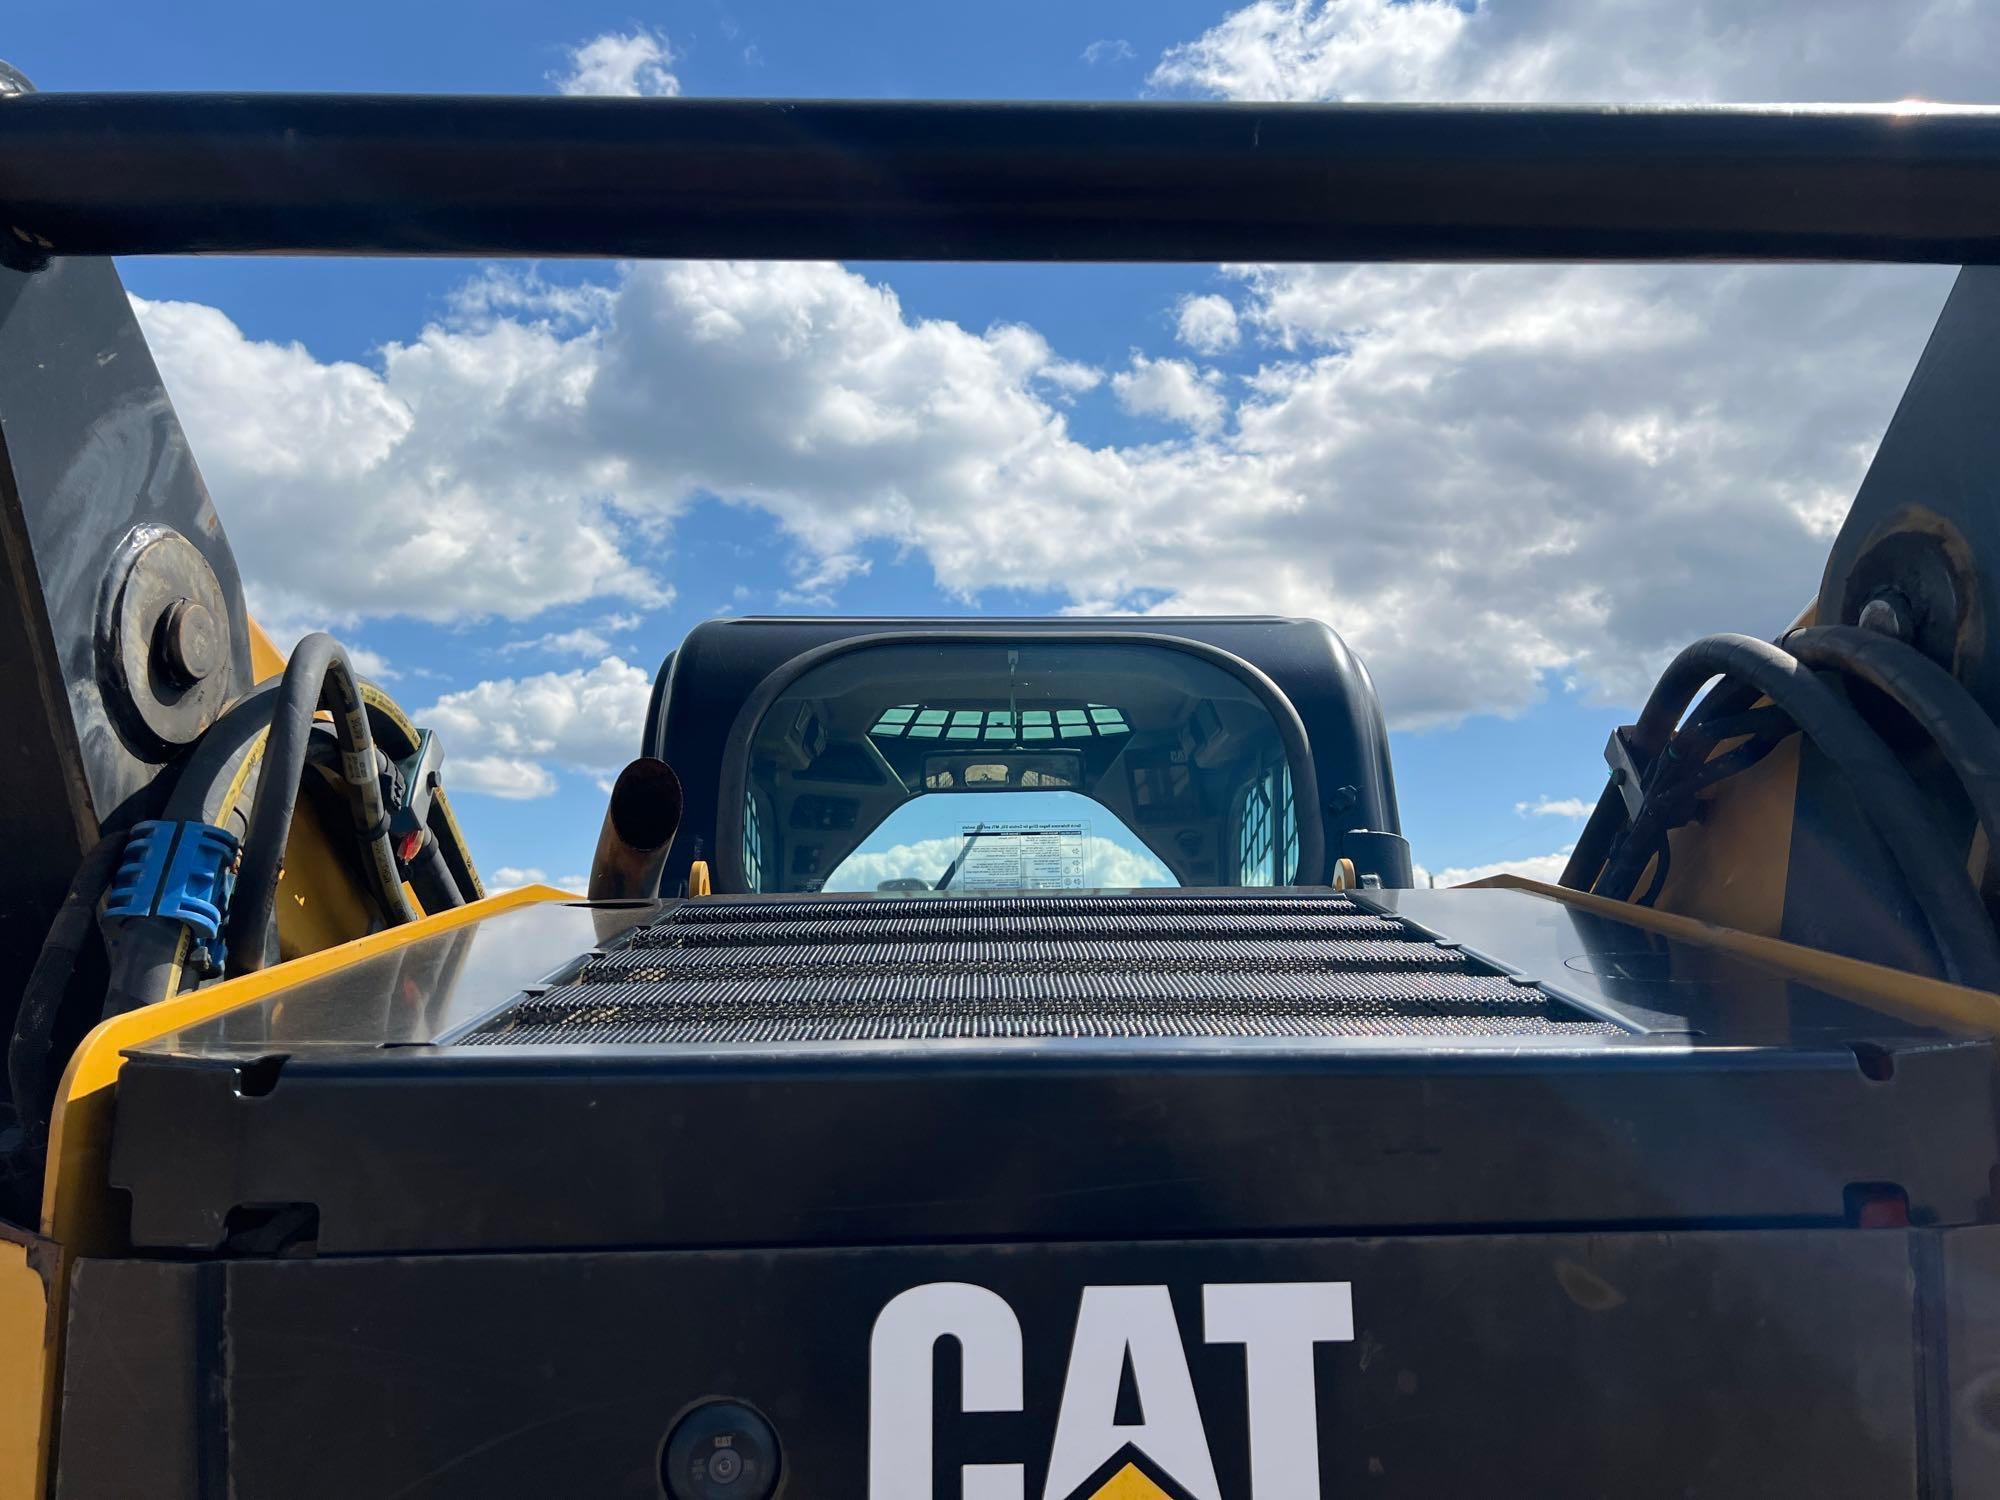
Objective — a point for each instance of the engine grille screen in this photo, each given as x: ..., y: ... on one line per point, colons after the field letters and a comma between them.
x: 828, y: 969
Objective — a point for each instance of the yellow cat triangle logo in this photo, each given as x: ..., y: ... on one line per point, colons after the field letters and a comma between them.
x: 1130, y: 1474
x: 1130, y: 1483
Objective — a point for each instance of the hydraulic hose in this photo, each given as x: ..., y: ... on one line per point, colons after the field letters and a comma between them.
x: 317, y: 672
x: 147, y: 958
x: 41, y: 1002
x: 1889, y: 798
x: 1593, y: 845
x: 1938, y: 701
x: 1607, y: 820
x: 397, y: 737
x: 432, y: 880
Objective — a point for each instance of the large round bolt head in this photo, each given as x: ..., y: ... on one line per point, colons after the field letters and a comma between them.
x: 1887, y: 614
x: 189, y: 645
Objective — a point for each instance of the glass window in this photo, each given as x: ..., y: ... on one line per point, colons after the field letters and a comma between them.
x: 1036, y: 764
x: 1254, y: 836
x: 753, y: 843
x: 1288, y: 830
x: 1267, y: 830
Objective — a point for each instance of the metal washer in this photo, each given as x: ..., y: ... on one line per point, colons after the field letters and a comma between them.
x: 164, y: 575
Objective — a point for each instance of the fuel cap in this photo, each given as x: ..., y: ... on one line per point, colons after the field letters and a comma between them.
x: 722, y: 1450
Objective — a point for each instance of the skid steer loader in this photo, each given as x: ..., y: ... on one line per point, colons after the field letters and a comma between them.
x: 1000, y: 1059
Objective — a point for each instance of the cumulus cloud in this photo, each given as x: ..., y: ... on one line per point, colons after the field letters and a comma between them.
x: 513, y: 877
x: 445, y: 484
x: 1668, y: 406
x: 1172, y: 389
x: 1543, y: 867
x: 1554, y: 807
x: 505, y: 735
x: 285, y: 631
x: 1108, y: 50
x: 1527, y: 51
x: 1455, y: 467
x: 633, y: 64
x: 583, y: 641
x: 1207, y: 324
x: 507, y: 777
x: 1491, y: 479
x: 815, y: 580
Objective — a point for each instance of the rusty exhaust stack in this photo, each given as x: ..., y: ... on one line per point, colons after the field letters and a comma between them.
x: 639, y: 827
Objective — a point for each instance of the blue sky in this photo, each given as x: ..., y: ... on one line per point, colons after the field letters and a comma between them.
x: 1515, y: 490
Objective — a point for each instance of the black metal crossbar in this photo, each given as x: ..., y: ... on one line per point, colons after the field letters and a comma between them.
x: 142, y: 174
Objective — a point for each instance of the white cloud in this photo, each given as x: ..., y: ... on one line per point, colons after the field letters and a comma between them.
x: 1349, y: 49
x: 513, y: 877
x: 1588, y: 50
x: 1459, y: 467
x: 1106, y: 864
x: 445, y: 485
x: 816, y: 580
x: 634, y: 64
x: 582, y: 641
x: 1455, y: 467
x: 1532, y: 414
x: 503, y: 735
x: 1552, y: 807
x: 1543, y: 867
x: 503, y: 776
x: 1172, y: 389
x: 1207, y: 324
x: 1108, y: 50
x: 1070, y: 377
x: 286, y: 631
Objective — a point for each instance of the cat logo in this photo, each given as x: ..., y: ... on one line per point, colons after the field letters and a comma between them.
x: 1127, y: 1341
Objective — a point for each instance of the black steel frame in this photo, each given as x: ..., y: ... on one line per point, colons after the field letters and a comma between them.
x: 143, y: 174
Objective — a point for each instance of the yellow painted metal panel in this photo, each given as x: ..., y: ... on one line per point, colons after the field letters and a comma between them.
x: 266, y: 660
x: 1731, y: 867
x: 319, y: 903
x: 27, y: 1363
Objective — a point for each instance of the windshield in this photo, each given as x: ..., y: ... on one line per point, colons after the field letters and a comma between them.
x: 968, y: 841
x: 1032, y: 765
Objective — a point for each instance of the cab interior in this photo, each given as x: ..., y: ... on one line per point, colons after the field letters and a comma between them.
x: 1185, y: 755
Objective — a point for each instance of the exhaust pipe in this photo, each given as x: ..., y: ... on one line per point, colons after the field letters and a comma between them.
x: 639, y: 827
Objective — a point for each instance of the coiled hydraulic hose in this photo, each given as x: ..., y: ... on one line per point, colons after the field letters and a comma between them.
x: 1607, y: 819
x: 431, y: 879
x: 1938, y: 701
x: 148, y: 958
x: 1959, y: 924
x: 317, y: 673
x: 446, y: 853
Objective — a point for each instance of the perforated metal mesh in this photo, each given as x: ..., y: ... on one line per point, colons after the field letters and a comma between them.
x: 1003, y: 927
x: 650, y: 965
x: 837, y: 969
x: 794, y: 908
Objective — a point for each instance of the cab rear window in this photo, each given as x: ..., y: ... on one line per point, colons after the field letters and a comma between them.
x: 1028, y: 765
